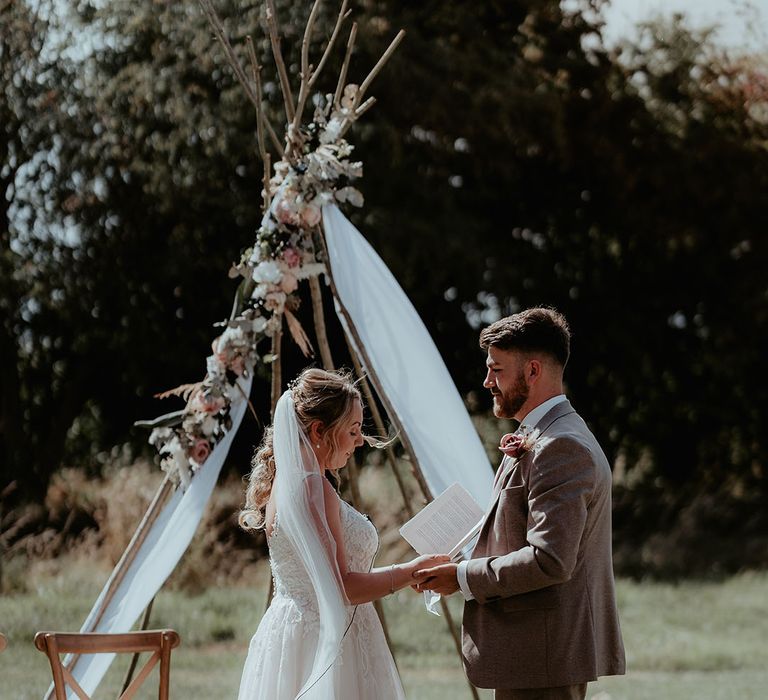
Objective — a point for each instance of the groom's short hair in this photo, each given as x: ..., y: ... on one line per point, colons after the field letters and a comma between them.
x: 539, y: 329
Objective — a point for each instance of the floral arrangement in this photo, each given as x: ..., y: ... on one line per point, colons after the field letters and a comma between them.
x: 515, y: 445
x: 287, y: 249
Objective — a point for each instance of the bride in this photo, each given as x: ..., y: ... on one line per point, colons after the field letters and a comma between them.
x: 320, y: 638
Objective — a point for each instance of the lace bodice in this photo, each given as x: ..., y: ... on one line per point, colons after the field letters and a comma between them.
x: 361, y: 542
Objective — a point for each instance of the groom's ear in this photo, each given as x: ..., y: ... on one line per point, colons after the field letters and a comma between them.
x: 533, y: 370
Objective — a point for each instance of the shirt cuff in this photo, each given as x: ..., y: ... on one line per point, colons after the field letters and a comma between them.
x: 461, y: 575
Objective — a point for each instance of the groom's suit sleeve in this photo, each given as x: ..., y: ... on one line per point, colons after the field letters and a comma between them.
x: 560, y: 480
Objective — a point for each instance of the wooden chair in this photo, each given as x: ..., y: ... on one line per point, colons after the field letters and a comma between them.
x: 160, y: 642
x: 3, y: 642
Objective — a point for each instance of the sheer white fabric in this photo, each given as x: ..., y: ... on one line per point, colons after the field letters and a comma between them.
x: 166, y: 542
x: 413, y: 375
x: 311, y: 643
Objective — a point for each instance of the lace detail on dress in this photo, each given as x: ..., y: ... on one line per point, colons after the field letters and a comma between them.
x: 282, y: 649
x: 361, y: 542
x: 289, y: 577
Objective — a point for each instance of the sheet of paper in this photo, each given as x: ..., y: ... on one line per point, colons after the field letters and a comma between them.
x: 446, y: 524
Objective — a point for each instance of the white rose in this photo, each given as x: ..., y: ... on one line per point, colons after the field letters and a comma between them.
x: 260, y: 291
x: 232, y: 337
x: 159, y: 435
x: 267, y: 271
x: 259, y: 324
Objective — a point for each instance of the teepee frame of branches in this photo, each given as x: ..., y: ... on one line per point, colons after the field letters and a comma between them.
x: 289, y: 149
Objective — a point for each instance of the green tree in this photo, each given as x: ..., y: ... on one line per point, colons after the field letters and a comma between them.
x: 29, y: 253
x: 511, y: 160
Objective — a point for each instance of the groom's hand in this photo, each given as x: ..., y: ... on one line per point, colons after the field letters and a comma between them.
x: 440, y: 579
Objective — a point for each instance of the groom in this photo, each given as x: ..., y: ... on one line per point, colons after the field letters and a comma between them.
x: 540, y: 619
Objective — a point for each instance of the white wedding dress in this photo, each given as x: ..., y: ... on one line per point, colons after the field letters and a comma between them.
x: 282, y: 651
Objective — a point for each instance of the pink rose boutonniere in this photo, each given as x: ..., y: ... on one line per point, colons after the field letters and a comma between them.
x: 515, y: 445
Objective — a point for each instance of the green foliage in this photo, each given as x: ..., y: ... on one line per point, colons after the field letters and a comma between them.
x: 511, y: 160
x: 28, y: 262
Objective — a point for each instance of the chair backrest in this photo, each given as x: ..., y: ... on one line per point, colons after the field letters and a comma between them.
x: 159, y: 642
x: 3, y: 642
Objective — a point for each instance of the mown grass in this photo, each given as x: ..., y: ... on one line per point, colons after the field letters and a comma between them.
x: 701, y: 640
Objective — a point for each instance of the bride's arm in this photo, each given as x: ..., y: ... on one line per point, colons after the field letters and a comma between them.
x: 364, y: 587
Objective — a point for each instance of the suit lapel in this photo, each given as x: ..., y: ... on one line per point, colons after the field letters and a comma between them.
x: 508, y: 465
x: 503, y: 467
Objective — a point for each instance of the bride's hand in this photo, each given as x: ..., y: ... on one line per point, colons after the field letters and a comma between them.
x: 442, y: 578
x: 425, y: 561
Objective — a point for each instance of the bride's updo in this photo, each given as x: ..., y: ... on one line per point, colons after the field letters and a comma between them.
x: 318, y: 395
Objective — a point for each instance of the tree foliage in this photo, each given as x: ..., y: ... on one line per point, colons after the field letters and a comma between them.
x: 511, y: 160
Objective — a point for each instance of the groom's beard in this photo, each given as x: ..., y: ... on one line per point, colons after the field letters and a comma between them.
x: 507, y: 405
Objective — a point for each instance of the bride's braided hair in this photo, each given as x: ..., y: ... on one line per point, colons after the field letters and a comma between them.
x: 318, y: 395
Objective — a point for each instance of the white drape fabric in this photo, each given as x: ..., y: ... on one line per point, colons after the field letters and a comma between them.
x: 300, y: 506
x: 157, y: 557
x: 412, y: 373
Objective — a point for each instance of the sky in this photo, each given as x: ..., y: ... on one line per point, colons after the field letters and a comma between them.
x: 744, y: 23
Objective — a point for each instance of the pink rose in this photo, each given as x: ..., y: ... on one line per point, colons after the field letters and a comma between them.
x: 310, y: 215
x: 289, y: 283
x: 200, y: 451
x: 515, y: 445
x: 285, y: 213
x: 511, y: 444
x: 291, y: 257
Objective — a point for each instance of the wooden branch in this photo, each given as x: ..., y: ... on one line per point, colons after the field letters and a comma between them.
x: 275, y: 141
x: 218, y: 29
x: 294, y: 137
x: 345, y: 66
x: 256, y: 71
x: 363, y: 108
x: 260, y: 118
x: 274, y: 39
x: 350, y: 119
x: 277, y: 379
x: 319, y: 318
x: 266, y: 197
x: 378, y: 422
x: 377, y: 68
x: 248, y: 401
x: 343, y: 14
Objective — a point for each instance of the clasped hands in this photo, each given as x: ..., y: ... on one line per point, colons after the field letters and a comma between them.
x: 440, y: 578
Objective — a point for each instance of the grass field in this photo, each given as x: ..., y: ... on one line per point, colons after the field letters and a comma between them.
x: 697, y: 640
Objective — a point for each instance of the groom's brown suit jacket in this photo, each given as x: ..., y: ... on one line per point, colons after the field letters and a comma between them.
x: 544, y: 613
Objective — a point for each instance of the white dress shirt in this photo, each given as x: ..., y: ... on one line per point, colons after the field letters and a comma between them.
x: 530, y: 421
